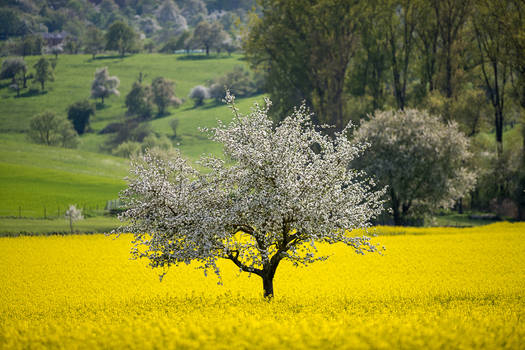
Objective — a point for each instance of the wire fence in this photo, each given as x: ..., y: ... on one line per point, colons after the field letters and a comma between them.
x: 111, y: 207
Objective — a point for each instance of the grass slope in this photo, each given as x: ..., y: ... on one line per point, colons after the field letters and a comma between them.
x: 34, y: 177
x: 74, y: 74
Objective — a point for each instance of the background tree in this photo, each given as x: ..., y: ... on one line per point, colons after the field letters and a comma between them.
x: 43, y: 72
x: 103, y: 85
x: 79, y: 113
x: 32, y: 45
x: 421, y: 160
x: 451, y: 16
x: 11, y: 24
x: 207, y: 35
x: 94, y: 41
x: 400, y: 22
x: 49, y: 129
x: 73, y: 214
x: 163, y: 91
x: 261, y: 210
x: 120, y: 37
x: 139, y: 101
x: 306, y: 48
x: 11, y: 67
x: 167, y: 12
x: 198, y: 94
x: 493, y: 48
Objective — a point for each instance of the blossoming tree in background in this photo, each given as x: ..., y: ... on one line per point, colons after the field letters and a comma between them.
x: 73, y: 214
x: 289, y: 187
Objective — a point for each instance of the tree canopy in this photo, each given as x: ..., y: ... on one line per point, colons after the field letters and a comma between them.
x: 104, y: 85
x: 120, y: 37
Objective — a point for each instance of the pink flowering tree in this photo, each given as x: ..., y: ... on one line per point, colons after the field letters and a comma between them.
x: 281, y: 191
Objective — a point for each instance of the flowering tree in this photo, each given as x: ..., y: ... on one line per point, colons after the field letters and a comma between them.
x: 73, y: 214
x: 424, y: 162
x: 288, y: 188
x: 104, y: 85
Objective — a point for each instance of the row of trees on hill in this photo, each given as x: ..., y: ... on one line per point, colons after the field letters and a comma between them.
x: 462, y: 60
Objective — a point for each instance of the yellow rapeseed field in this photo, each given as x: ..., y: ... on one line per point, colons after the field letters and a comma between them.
x: 433, y: 289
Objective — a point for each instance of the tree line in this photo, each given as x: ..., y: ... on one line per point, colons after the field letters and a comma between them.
x: 463, y: 60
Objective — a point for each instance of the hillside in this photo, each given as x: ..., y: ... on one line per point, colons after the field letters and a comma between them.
x: 36, y: 178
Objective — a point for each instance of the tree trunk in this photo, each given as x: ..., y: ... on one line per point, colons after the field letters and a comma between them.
x: 268, y: 286
x: 398, y: 219
x: 42, y: 84
x: 207, y: 50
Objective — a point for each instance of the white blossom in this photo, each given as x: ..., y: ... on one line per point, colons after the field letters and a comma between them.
x: 280, y: 191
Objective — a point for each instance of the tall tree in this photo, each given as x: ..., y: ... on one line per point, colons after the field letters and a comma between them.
x: 451, y: 16
x: 120, y: 37
x: 79, y: 113
x: 208, y: 35
x: 493, y: 48
x: 138, y: 101
x: 305, y: 47
x: 400, y: 18
x: 163, y: 91
x: 94, y: 41
x: 427, y: 37
x: 104, y: 85
x: 43, y: 72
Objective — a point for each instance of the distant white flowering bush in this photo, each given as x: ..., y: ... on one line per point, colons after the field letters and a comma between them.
x: 423, y: 161
x: 288, y: 188
x: 73, y: 214
x: 199, y: 93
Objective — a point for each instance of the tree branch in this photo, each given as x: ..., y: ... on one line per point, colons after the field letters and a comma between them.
x: 236, y: 261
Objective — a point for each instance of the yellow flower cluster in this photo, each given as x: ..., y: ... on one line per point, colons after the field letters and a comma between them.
x: 432, y: 288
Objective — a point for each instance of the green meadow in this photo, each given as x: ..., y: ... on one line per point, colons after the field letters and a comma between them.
x: 38, y: 181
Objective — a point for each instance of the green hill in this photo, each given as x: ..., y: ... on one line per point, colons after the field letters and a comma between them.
x: 35, y: 179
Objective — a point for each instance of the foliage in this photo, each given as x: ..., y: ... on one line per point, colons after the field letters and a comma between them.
x: 163, y: 91
x: 103, y: 85
x: 43, y: 72
x: 94, y: 41
x: 11, y: 24
x: 11, y: 67
x: 79, y: 114
x: 305, y: 50
x: 120, y: 37
x: 131, y: 130
x: 423, y: 162
x: 199, y: 93
x: 139, y: 101
x: 208, y: 35
x: 48, y: 129
x: 433, y: 289
x: 277, y: 199
x: 239, y: 81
